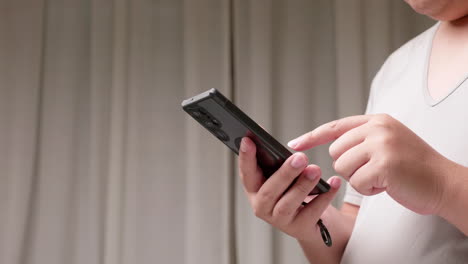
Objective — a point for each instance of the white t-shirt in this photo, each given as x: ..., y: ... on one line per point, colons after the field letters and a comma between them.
x: 385, y: 231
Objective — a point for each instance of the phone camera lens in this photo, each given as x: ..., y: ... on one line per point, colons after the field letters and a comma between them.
x: 196, y: 113
x: 211, y: 122
x: 208, y: 123
x: 216, y: 122
x: 203, y: 111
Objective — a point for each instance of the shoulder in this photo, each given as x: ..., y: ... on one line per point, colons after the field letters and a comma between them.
x: 413, y: 51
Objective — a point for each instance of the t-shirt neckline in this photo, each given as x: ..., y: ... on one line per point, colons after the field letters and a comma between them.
x: 425, y: 89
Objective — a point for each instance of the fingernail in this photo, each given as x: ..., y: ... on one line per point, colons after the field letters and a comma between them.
x: 335, y: 183
x: 312, y: 175
x: 293, y: 143
x: 244, y: 146
x: 298, y: 161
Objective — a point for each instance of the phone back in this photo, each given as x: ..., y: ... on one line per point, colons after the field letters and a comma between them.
x: 225, y: 121
x: 229, y: 124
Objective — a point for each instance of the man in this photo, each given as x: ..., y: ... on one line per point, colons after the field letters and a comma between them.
x: 406, y: 160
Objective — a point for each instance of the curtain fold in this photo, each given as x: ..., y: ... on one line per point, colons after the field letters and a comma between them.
x: 98, y: 162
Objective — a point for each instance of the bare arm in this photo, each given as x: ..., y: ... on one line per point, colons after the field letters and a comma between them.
x: 454, y: 204
x: 340, y: 224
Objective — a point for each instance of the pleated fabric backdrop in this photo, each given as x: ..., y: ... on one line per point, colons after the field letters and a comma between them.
x: 98, y: 163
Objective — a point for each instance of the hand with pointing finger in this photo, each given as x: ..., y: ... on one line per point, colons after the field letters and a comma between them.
x: 377, y: 153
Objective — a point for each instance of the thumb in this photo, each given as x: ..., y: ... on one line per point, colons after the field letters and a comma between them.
x: 315, y: 208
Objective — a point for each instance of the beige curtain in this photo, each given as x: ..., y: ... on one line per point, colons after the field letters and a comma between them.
x: 98, y: 164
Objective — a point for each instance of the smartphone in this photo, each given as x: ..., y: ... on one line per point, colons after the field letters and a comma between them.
x: 229, y: 124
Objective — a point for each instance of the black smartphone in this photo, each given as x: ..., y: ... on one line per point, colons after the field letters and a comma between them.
x: 229, y: 124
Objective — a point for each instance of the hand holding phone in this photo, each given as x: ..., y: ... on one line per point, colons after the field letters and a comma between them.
x: 229, y: 124
x: 283, y: 206
x: 279, y: 200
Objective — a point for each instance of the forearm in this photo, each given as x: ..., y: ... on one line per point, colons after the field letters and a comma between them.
x: 454, y: 206
x: 340, y: 227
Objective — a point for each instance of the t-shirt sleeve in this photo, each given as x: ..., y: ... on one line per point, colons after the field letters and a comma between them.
x: 351, y: 195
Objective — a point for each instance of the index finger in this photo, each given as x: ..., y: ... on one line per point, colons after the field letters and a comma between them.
x: 327, y: 132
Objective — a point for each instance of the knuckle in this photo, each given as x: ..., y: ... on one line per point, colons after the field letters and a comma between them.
x: 386, y: 140
x: 310, y: 136
x: 299, y: 155
x: 282, y: 211
x: 257, y: 212
x: 303, y: 188
x: 258, y: 209
x: 362, y: 188
x: 335, y: 126
x: 380, y: 119
x: 380, y: 180
x: 288, y: 174
x: 241, y: 174
x: 333, y: 151
x: 340, y: 169
x: 383, y: 122
x: 385, y: 118
x: 242, y: 171
x: 384, y: 162
x: 264, y: 196
x: 357, y: 184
